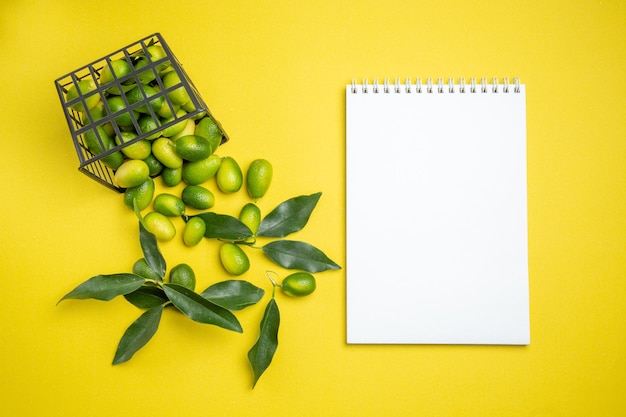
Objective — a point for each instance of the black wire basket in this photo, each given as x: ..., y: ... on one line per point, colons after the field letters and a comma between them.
x: 138, y: 91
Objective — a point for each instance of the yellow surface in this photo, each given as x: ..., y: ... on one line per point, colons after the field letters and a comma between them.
x: 273, y: 73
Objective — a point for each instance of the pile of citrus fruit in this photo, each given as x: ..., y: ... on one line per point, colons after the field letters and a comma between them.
x: 139, y: 119
x: 142, y: 114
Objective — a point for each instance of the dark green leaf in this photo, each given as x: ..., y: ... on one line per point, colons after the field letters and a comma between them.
x: 199, y: 309
x: 106, y: 287
x: 233, y: 294
x: 138, y: 334
x: 223, y: 226
x: 289, y: 216
x: 146, y: 297
x: 261, y: 354
x: 151, y: 251
x: 292, y: 254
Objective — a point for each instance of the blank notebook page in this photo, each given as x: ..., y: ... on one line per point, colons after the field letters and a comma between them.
x: 436, y: 214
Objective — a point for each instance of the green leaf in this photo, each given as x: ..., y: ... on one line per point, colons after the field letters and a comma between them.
x: 199, y: 309
x: 151, y: 251
x: 146, y: 297
x: 105, y: 287
x: 261, y: 354
x: 233, y: 294
x: 223, y: 226
x: 293, y: 254
x: 289, y: 216
x: 138, y: 334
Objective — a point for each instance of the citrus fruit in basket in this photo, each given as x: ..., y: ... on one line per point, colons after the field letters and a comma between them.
x: 229, y: 176
x: 188, y: 129
x: 149, y: 124
x: 183, y: 275
x: 132, y: 173
x: 145, y: 73
x: 83, y: 87
x: 258, y: 178
x: 168, y: 109
x: 90, y: 137
x: 194, y: 231
x: 175, y: 128
x: 156, y: 53
x: 234, y: 259
x: 145, y: 92
x: 298, y: 284
x: 179, y: 95
x: 95, y: 113
x: 137, y: 150
x: 117, y: 104
x: 112, y: 70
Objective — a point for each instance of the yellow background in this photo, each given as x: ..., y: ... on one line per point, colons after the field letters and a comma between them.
x: 274, y: 73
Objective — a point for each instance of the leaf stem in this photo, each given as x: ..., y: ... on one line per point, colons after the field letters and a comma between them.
x: 247, y: 241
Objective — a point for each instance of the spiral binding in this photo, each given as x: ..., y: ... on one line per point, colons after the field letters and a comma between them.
x: 439, y: 87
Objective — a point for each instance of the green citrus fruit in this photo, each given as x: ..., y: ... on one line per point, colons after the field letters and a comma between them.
x: 132, y: 173
x: 164, y: 150
x: 136, y: 95
x: 177, y: 127
x: 82, y: 88
x: 198, y: 197
x: 113, y: 160
x: 250, y: 215
x: 148, y: 124
x: 169, y: 205
x: 112, y: 70
x: 198, y: 172
x: 166, y: 111
x: 141, y: 268
x: 141, y: 193
x: 208, y: 128
x: 179, y: 95
x: 97, y: 112
x: 193, y: 148
x: 194, y: 231
x: 258, y: 178
x: 159, y: 225
x: 189, y: 106
x: 229, y: 176
x: 154, y: 165
x: 183, y: 275
x: 137, y: 150
x: 189, y: 128
x: 234, y: 259
x: 117, y: 104
x: 156, y: 53
x: 199, y: 115
x: 145, y: 73
x: 172, y: 176
x: 298, y: 284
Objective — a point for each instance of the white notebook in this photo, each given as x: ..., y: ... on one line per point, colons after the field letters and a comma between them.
x: 437, y: 213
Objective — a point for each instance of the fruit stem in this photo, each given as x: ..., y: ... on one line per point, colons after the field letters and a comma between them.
x: 274, y: 283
